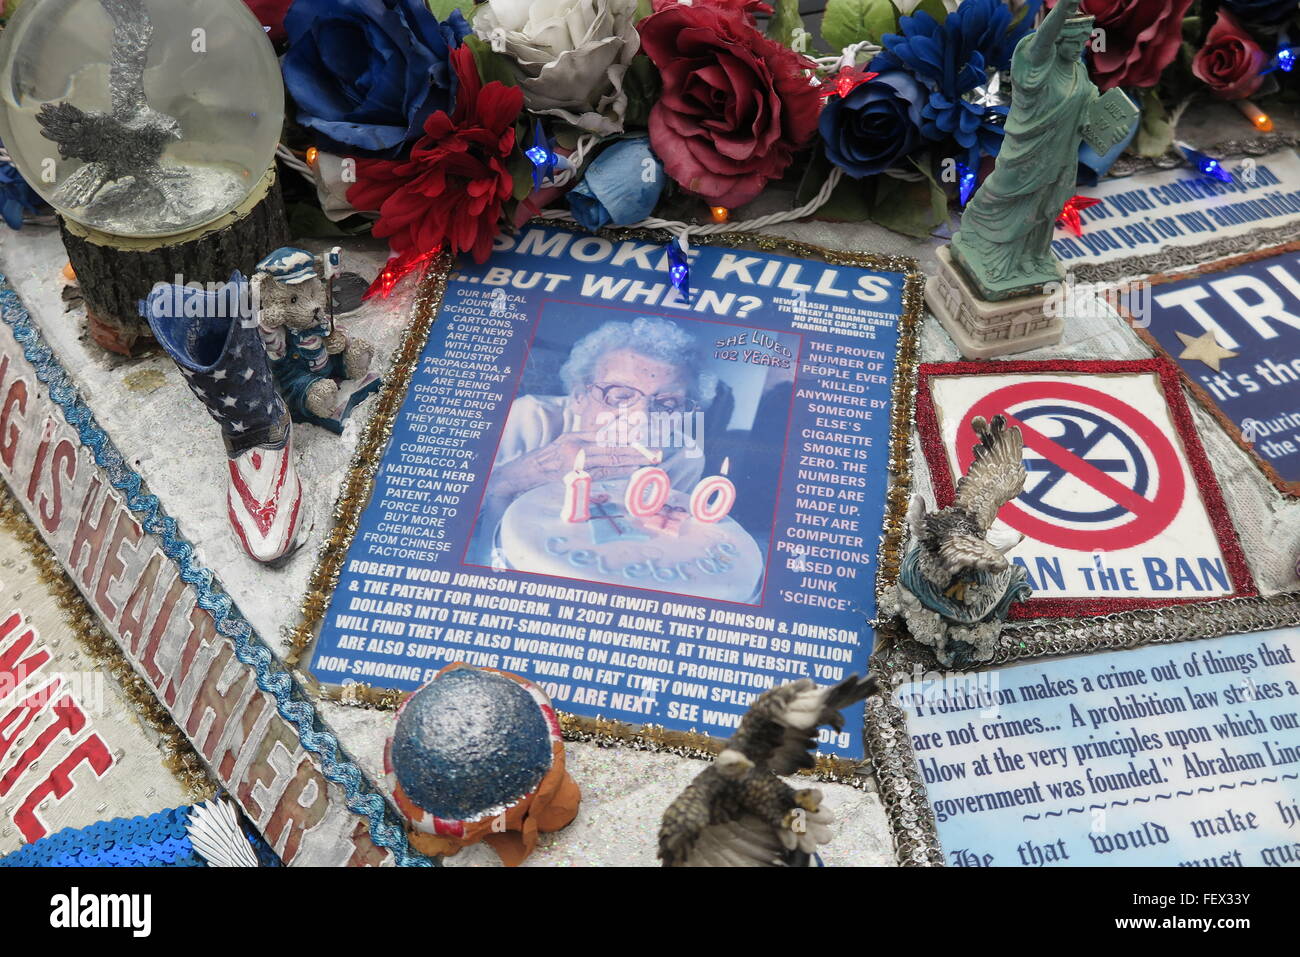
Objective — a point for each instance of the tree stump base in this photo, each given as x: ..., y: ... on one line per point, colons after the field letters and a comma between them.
x: 116, y: 273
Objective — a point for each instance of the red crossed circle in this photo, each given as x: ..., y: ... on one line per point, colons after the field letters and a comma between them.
x: 1150, y: 516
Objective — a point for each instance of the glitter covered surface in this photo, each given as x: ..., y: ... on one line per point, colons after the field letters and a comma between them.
x: 624, y: 794
x: 624, y: 791
x: 469, y: 742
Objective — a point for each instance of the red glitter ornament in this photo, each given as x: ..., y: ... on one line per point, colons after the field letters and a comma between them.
x: 844, y: 82
x: 1070, y: 218
x: 394, y: 270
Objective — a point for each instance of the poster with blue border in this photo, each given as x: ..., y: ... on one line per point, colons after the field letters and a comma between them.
x: 655, y: 505
x: 1234, y: 329
x: 1178, y: 755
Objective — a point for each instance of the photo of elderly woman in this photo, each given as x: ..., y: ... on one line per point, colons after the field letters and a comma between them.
x: 604, y: 395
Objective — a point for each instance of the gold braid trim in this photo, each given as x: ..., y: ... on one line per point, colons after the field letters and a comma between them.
x: 179, y: 757
x: 359, y: 483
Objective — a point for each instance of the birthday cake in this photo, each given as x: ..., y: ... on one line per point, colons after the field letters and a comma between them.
x: 670, y: 551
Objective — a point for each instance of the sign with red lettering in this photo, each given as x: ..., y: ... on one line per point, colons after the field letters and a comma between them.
x: 1120, y: 508
x: 138, y: 595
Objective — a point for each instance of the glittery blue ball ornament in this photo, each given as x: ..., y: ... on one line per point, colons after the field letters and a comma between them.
x: 470, y: 743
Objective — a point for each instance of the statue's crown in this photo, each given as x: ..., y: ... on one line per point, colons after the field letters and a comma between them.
x: 1078, y: 26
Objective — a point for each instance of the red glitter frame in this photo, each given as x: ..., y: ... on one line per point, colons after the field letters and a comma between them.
x: 927, y: 425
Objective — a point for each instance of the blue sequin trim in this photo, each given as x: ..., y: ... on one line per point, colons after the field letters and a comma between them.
x: 159, y: 840
x: 291, y: 702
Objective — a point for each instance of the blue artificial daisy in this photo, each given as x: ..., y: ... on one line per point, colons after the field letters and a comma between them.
x: 956, y: 61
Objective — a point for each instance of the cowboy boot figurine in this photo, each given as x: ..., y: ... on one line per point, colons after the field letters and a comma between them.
x: 322, y: 373
x: 212, y: 337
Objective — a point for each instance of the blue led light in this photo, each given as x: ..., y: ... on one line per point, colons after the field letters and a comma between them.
x: 679, y: 269
x: 966, y: 185
x: 1206, y: 165
x: 1286, y: 59
x: 541, y: 155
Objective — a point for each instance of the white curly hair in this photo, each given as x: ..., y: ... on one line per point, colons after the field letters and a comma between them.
x: 650, y: 336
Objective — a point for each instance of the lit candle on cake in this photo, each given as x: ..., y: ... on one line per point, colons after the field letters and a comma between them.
x: 647, y: 491
x: 713, y: 497
x: 577, y: 491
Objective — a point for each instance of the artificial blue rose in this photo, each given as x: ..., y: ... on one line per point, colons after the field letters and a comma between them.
x: 16, y: 197
x: 621, y: 186
x: 954, y: 61
x: 366, y: 74
x: 875, y: 126
x: 1263, y: 11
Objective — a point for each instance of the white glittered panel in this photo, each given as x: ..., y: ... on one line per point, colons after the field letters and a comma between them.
x: 1111, y: 508
x: 72, y: 751
x: 1152, y: 213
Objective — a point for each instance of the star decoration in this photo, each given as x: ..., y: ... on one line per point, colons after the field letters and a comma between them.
x: 542, y: 155
x: 219, y: 374
x: 249, y: 373
x: 228, y: 402
x: 1070, y: 218
x: 679, y: 268
x: 988, y: 95
x: 845, y: 82
x: 238, y: 427
x: 1205, y: 348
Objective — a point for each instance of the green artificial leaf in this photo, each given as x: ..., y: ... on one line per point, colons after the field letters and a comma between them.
x: 491, y: 66
x: 848, y: 202
x: 521, y: 171
x: 935, y: 8
x: 442, y: 9
x: 641, y: 84
x: 784, y: 21
x: 566, y: 136
x: 1155, y: 133
x: 643, y: 9
x: 913, y: 208
x: 848, y: 21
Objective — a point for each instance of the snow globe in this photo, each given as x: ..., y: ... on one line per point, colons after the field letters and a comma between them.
x: 151, y: 127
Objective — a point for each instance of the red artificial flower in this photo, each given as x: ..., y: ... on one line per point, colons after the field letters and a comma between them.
x: 750, y: 8
x: 735, y: 106
x: 1140, y: 38
x: 1231, y: 63
x: 270, y: 13
x: 453, y: 185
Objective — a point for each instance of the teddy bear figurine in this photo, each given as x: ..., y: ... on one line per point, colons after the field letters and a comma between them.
x: 321, y: 372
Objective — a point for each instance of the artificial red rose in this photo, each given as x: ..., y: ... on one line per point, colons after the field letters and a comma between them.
x: 1231, y: 62
x: 735, y: 106
x: 1141, y: 38
x: 456, y: 180
x: 751, y: 8
x: 270, y: 13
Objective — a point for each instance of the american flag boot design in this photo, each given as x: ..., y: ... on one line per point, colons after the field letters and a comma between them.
x: 211, y: 334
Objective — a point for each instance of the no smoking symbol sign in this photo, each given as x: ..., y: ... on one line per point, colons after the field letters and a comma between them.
x: 1108, y: 470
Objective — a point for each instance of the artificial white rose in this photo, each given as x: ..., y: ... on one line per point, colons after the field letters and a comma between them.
x: 570, y: 55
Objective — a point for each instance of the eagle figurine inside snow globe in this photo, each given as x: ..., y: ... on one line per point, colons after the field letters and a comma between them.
x: 476, y: 755
x: 151, y: 127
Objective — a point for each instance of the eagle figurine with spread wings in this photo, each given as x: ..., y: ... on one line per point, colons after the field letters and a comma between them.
x: 956, y: 584
x: 128, y: 141
x: 738, y: 812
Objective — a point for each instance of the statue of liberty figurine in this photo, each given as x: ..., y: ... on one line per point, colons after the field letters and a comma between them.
x: 1004, y: 244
